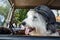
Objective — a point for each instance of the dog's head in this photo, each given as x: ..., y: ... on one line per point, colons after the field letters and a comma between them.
x: 38, y: 19
x: 33, y: 21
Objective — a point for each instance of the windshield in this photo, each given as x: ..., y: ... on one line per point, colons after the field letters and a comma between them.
x: 4, y: 10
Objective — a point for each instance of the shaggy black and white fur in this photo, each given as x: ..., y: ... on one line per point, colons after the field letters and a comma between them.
x: 42, y: 20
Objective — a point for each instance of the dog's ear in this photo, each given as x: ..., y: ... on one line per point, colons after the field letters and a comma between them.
x: 51, y: 27
x: 46, y: 12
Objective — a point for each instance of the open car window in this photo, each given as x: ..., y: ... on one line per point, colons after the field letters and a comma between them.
x: 13, y: 20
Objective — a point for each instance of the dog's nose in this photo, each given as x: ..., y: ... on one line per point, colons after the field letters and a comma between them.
x: 23, y: 23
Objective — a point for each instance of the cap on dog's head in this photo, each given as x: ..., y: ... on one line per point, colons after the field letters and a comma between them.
x: 46, y: 12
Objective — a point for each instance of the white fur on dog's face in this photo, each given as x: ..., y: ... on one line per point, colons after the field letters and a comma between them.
x: 35, y: 20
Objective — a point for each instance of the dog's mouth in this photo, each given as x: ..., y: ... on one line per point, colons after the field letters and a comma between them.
x: 28, y: 30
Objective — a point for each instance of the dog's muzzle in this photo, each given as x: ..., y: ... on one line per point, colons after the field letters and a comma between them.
x: 28, y: 29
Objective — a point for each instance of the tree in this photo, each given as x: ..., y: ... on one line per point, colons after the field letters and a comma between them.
x: 20, y: 14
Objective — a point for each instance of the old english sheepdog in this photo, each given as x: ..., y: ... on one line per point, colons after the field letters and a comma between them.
x: 40, y: 21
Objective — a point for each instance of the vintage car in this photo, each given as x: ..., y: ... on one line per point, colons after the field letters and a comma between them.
x: 27, y: 4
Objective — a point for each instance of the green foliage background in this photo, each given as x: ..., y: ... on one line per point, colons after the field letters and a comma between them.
x: 19, y: 15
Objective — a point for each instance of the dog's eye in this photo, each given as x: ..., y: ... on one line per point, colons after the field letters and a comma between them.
x: 35, y: 17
